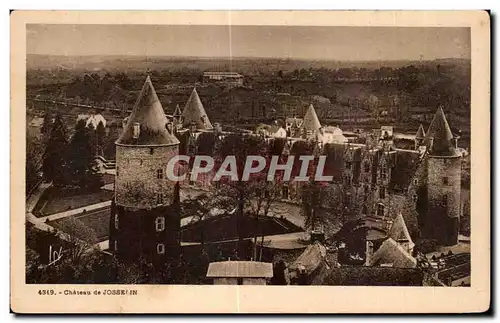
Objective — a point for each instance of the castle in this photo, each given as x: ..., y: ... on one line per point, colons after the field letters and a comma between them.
x: 375, y: 180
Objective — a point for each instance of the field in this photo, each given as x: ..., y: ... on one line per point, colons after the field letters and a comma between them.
x: 97, y: 220
x: 55, y: 200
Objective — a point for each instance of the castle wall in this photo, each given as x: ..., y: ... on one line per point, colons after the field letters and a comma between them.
x: 136, y: 182
x: 134, y: 233
x: 443, y: 199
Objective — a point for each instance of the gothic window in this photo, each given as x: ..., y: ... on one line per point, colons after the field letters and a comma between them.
x: 116, y: 221
x: 160, y: 248
x: 380, y: 209
x: 445, y: 180
x: 347, y: 180
x: 159, y: 198
x: 382, y: 192
x: 159, y: 173
x: 367, y: 167
x: 160, y: 223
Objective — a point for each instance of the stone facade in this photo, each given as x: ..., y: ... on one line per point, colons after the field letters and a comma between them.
x: 141, y: 176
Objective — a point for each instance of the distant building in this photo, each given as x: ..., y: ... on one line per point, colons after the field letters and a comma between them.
x: 240, y: 272
x: 92, y: 119
x: 228, y: 77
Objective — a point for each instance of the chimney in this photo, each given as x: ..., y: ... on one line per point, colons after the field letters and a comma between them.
x: 137, y: 130
x: 368, y: 253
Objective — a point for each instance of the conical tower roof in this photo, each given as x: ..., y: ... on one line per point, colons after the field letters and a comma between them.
x: 441, y: 132
x: 177, y: 111
x: 149, y: 114
x: 399, y: 231
x: 195, y: 113
x: 420, y: 132
x: 311, y: 121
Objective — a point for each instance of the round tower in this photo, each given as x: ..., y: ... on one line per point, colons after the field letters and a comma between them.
x: 444, y: 164
x: 145, y: 222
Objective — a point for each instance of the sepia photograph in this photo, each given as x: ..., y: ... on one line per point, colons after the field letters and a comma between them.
x: 273, y: 155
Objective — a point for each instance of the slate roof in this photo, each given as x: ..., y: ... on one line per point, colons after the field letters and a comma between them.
x: 373, y: 276
x: 149, y: 113
x: 195, y: 113
x: 399, y: 232
x: 244, y: 269
x: 420, y: 132
x: 311, y: 121
x: 441, y: 132
x: 310, y: 259
x: 390, y: 252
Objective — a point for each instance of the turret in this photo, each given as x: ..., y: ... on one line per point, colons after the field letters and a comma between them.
x: 419, y: 137
x: 141, y: 225
x: 443, y: 182
x: 195, y: 113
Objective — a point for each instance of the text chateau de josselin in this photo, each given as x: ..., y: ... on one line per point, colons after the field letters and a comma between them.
x: 418, y: 188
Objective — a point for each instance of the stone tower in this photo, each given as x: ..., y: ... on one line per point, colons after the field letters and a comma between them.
x: 443, y: 182
x: 145, y: 221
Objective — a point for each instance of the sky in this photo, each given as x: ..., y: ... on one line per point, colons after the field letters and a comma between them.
x: 296, y: 42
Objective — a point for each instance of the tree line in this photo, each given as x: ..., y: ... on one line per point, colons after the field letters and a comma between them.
x: 70, y: 161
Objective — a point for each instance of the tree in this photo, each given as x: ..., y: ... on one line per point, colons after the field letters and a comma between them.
x: 46, y: 126
x: 33, y: 161
x: 54, y: 156
x: 81, y: 163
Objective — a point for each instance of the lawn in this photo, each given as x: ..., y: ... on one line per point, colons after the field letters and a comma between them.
x: 98, y: 221
x: 55, y: 200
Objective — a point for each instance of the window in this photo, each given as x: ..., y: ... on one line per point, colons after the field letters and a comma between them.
x: 415, y: 197
x: 445, y: 180
x: 116, y: 221
x: 380, y: 209
x: 347, y: 180
x: 116, y: 245
x: 415, y: 181
x: 284, y: 192
x: 159, y: 198
x: 140, y: 162
x: 383, y: 173
x: 159, y: 173
x: 217, y: 184
x: 364, y: 210
x: 160, y: 223
x: 151, y: 151
x: 444, y: 202
x: 367, y: 167
x: 117, y: 171
x: 382, y: 192
x: 267, y: 194
x: 367, y: 190
x: 348, y: 165
x: 160, y: 248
